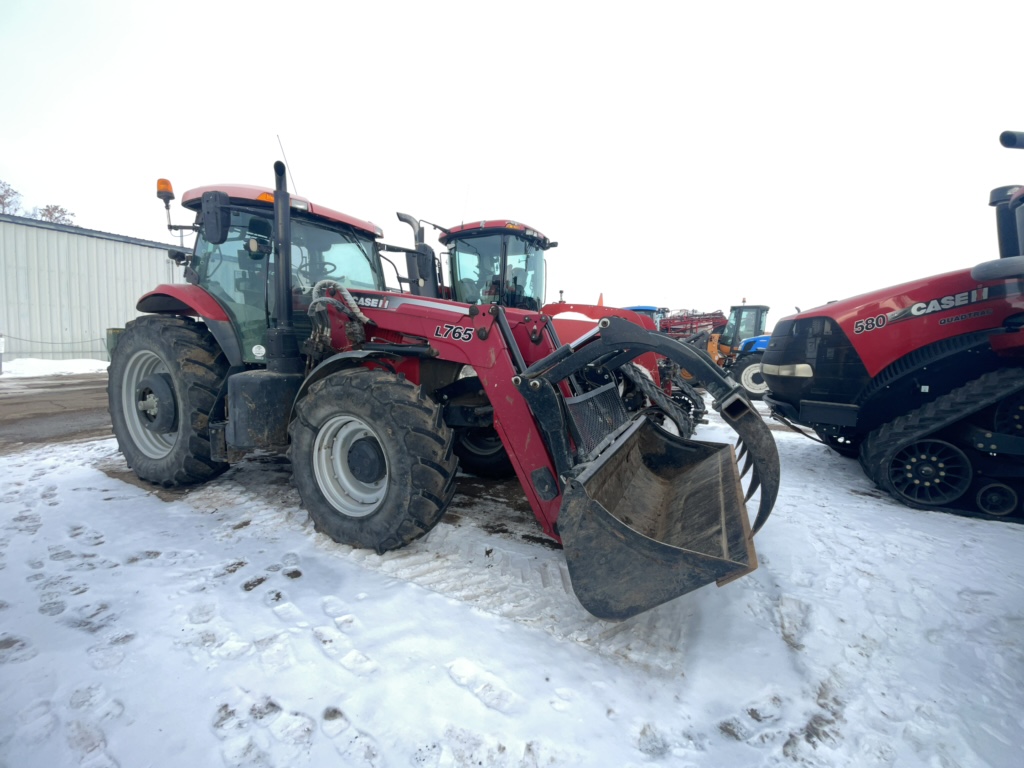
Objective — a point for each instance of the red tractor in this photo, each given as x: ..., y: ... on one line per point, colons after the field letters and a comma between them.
x: 502, y: 262
x: 923, y: 382
x: 285, y: 338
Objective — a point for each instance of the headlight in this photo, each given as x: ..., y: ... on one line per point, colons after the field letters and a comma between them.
x: 797, y: 370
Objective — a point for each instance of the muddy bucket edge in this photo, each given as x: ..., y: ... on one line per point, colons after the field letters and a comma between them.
x: 618, y: 571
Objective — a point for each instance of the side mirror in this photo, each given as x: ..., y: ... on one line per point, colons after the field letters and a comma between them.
x: 215, y: 217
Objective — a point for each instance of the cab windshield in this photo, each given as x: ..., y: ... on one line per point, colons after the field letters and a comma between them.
x: 236, y: 271
x: 744, y: 322
x: 498, y: 269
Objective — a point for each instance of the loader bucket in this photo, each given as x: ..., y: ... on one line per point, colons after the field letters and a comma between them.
x: 653, y: 517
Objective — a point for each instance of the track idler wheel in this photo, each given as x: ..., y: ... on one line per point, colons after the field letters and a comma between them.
x: 997, y: 499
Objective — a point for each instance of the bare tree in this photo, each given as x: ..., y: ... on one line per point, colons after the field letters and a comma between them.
x: 10, y: 199
x: 10, y: 203
x: 55, y: 214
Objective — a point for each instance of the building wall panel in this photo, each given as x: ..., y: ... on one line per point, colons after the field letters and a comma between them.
x: 62, y: 287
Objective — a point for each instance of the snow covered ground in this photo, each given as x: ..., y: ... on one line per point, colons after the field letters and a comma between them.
x: 215, y: 627
x: 24, y: 367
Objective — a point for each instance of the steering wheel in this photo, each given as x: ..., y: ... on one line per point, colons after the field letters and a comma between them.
x: 326, y: 269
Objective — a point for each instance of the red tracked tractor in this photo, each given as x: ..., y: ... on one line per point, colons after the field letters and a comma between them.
x: 285, y: 338
x: 923, y: 382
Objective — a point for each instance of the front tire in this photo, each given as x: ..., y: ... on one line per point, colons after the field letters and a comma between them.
x: 372, y: 459
x: 747, y: 372
x: 164, y: 378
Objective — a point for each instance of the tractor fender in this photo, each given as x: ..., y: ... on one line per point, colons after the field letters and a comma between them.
x: 193, y: 301
x: 351, y: 359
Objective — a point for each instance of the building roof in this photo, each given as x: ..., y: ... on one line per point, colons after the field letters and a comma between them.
x: 73, y: 230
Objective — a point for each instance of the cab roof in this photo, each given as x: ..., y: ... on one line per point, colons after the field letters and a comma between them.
x: 494, y: 226
x: 245, y: 193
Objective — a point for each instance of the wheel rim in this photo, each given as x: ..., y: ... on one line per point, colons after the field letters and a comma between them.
x: 153, y: 445
x: 481, y: 442
x: 930, y: 472
x: 752, y: 380
x: 997, y: 499
x: 335, y: 476
x: 1009, y: 417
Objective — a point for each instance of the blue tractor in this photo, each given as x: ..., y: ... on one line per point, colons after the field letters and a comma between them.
x: 746, y: 368
x: 724, y: 339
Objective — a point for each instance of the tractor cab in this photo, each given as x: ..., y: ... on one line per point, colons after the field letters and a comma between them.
x: 234, y: 261
x: 745, y: 321
x: 497, y: 262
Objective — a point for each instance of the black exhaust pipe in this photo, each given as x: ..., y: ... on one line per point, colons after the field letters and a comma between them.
x: 1009, y: 214
x: 282, y: 346
x: 420, y: 266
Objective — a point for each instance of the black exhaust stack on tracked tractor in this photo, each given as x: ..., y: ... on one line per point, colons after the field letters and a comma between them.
x: 1008, y: 205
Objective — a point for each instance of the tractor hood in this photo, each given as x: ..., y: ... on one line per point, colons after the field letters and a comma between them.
x: 912, y: 314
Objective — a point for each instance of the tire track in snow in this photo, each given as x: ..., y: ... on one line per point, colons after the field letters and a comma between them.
x: 508, y: 574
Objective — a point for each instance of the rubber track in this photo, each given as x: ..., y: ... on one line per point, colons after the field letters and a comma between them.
x: 883, y: 443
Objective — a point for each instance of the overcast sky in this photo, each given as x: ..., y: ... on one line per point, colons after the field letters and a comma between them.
x: 687, y: 155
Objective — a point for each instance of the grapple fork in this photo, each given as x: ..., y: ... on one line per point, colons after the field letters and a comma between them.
x: 645, y: 515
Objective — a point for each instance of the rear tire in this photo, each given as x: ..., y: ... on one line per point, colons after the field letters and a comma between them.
x: 163, y: 381
x: 747, y: 372
x: 372, y: 459
x: 482, y: 453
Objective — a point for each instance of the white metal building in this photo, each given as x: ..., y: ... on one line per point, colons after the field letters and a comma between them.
x: 62, y: 287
